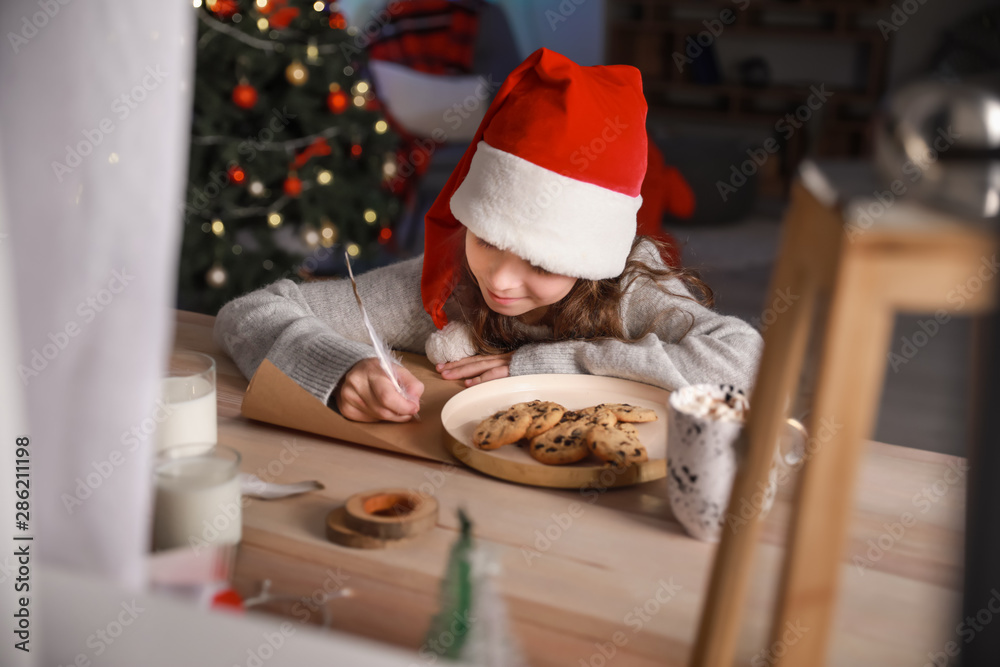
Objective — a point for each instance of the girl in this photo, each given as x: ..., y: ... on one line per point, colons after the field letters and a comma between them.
x: 531, y: 265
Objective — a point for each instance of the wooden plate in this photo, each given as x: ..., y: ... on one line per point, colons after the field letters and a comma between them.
x: 467, y: 409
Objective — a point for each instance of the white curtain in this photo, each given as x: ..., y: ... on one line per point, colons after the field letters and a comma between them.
x: 95, y: 102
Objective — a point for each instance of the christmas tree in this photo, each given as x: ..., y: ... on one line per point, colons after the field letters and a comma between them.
x: 290, y: 153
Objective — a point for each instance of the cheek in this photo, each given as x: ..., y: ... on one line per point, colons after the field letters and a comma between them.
x: 550, y: 289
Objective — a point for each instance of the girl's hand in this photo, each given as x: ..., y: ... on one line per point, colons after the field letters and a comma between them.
x: 367, y: 395
x: 480, y: 368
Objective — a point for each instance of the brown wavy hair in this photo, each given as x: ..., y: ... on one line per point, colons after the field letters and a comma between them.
x: 591, y: 310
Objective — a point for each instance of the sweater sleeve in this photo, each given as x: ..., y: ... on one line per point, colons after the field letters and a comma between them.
x: 314, y: 333
x: 689, y: 344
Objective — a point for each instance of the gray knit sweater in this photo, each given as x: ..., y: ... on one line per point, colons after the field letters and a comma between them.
x: 313, y: 333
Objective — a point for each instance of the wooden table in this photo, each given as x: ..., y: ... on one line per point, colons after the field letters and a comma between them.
x: 588, y: 575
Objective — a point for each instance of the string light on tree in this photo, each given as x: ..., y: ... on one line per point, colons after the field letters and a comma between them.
x: 274, y: 219
x: 353, y: 250
x: 381, y: 127
x: 216, y: 276
x: 328, y: 233
x: 310, y: 236
x: 370, y: 216
x: 324, y: 177
x: 296, y: 73
x: 218, y: 228
x: 256, y: 188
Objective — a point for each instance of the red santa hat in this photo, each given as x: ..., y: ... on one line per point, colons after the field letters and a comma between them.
x: 552, y: 175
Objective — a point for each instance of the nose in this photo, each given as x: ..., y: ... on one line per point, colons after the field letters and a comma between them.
x: 506, y: 272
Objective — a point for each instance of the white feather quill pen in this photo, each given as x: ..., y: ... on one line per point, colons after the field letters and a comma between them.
x: 386, y: 359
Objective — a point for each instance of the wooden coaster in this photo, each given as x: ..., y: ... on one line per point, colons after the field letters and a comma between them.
x: 381, y: 519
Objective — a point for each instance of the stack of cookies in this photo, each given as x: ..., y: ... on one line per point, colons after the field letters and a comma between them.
x: 557, y: 436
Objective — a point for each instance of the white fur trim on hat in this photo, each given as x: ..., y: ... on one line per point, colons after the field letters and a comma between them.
x: 451, y: 343
x: 564, y: 225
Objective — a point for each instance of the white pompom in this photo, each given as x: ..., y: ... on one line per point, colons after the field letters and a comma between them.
x: 452, y: 343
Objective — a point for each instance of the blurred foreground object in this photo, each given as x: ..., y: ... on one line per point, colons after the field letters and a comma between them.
x: 856, y: 257
x: 95, y: 116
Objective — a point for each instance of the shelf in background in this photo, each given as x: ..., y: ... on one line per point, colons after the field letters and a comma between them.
x: 651, y: 34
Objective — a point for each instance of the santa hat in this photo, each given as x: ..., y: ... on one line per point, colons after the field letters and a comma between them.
x: 552, y: 175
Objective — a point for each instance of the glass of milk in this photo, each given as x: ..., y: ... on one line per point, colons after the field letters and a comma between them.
x: 188, y: 401
x: 197, y: 497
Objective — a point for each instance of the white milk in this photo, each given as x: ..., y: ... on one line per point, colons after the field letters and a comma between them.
x: 197, y: 498
x: 190, y: 404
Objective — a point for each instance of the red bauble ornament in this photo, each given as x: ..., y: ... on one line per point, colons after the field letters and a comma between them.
x: 245, y: 96
x: 293, y: 186
x: 281, y: 18
x: 337, y: 101
x: 338, y: 22
x: 237, y: 175
x: 356, y: 150
x: 224, y: 8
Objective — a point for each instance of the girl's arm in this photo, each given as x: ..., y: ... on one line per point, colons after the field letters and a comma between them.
x: 314, y: 333
x: 717, y: 349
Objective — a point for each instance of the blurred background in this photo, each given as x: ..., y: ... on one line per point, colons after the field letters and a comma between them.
x: 324, y: 127
x: 176, y: 155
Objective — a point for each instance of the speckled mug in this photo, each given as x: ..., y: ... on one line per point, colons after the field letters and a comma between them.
x: 702, y: 458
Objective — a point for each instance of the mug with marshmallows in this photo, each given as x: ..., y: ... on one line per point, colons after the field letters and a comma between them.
x: 702, y: 457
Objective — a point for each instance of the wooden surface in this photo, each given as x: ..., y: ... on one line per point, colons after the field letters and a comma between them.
x: 613, y: 566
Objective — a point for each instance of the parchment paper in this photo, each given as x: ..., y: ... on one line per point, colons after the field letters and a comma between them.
x: 275, y: 398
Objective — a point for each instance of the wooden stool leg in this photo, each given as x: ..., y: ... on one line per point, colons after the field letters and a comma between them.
x: 804, y: 268
x: 851, y: 372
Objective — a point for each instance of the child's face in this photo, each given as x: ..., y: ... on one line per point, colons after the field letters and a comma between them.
x: 510, y: 285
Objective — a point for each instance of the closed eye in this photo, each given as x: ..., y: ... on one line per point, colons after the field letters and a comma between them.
x: 489, y: 246
x: 540, y: 271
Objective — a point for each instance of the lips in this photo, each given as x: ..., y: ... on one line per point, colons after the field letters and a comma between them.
x: 501, y: 300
